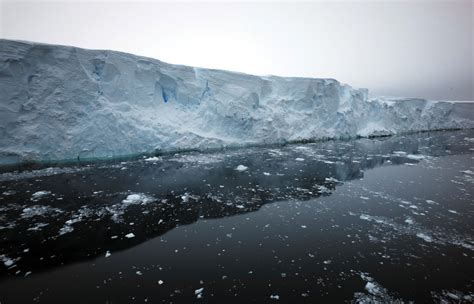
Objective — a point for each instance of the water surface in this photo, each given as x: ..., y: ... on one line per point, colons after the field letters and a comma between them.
x: 340, y: 221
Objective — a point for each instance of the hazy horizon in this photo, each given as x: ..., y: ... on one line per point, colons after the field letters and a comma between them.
x: 394, y: 48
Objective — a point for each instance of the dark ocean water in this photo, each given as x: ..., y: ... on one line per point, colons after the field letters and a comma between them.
x: 365, y: 220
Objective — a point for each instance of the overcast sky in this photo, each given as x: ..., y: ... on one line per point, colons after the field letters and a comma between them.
x: 398, y: 48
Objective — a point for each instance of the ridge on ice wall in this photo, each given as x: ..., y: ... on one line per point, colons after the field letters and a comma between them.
x: 61, y: 102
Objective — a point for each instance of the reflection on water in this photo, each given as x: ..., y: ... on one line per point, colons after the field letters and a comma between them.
x: 55, y: 216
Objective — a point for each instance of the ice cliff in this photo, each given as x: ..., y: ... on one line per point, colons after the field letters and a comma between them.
x: 60, y: 102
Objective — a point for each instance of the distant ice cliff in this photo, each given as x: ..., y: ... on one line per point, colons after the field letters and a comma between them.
x: 60, y: 102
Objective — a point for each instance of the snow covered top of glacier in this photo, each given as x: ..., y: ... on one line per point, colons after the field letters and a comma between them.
x: 61, y: 102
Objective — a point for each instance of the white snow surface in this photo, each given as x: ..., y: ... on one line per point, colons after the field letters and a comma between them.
x: 61, y: 102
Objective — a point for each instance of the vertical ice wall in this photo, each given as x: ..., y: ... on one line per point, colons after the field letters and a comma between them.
x: 61, y: 102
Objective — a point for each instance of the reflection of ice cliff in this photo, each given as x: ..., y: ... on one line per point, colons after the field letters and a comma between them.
x: 62, y: 102
x: 76, y: 214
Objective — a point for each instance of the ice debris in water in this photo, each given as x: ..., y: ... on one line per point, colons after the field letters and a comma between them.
x: 6, y: 260
x: 452, y: 296
x: 275, y: 297
x: 138, y: 198
x: 375, y: 293
x: 400, y: 153
x: 117, y: 210
x: 37, y: 226
x: 39, y: 195
x: 107, y: 254
x: 241, y: 168
x: 37, y: 210
x: 153, y: 159
x: 415, y: 156
x: 198, y: 292
x: 186, y: 196
x: 332, y: 179
x: 81, y: 214
x: 425, y: 237
x: 130, y: 235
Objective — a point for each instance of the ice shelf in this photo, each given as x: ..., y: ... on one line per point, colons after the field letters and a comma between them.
x: 61, y: 102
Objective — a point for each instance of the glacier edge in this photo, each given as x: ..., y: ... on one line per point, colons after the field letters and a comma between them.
x: 61, y: 102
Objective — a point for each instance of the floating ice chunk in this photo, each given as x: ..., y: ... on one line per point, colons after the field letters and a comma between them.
x: 409, y: 221
x: 78, y: 216
x: 453, y: 211
x: 266, y: 173
x: 299, y: 159
x: 303, y: 226
x: 241, y: 168
x: 138, y: 198
x: 364, y: 197
x: 138, y: 272
x: 323, y: 189
x: 66, y: 229
x: 431, y: 202
x: 153, y: 159
x: 376, y: 293
x: 130, y: 235
x: 468, y: 172
x: 107, y: 254
x: 327, y: 262
x: 275, y: 297
x: 372, y: 288
x: 39, y: 195
x: 198, y: 292
x: 38, y: 226
x: 425, y: 237
x: 415, y: 156
x: 117, y: 210
x: 37, y: 210
x: 6, y: 260
x: 160, y: 282
x: 400, y: 153
x: 457, y: 296
x: 186, y: 196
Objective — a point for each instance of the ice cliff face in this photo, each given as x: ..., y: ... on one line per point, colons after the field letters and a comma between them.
x: 59, y: 102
